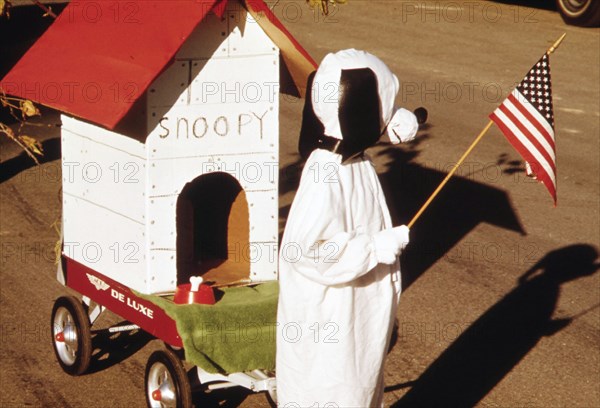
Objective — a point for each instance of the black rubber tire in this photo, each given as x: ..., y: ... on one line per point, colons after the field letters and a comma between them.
x: 178, y: 351
x: 580, y: 12
x: 72, y: 309
x: 167, y: 359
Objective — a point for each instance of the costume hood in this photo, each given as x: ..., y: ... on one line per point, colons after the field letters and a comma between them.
x: 350, y: 98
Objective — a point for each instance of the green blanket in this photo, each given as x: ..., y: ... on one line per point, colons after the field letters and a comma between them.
x: 236, y: 334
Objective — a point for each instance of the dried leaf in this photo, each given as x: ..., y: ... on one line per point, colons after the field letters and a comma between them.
x: 7, y: 131
x: 3, y: 98
x: 32, y: 144
x: 323, y: 5
x: 29, y: 109
x: 56, y: 225
x: 28, y: 144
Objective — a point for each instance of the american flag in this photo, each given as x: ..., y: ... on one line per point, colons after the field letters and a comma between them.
x: 526, y: 118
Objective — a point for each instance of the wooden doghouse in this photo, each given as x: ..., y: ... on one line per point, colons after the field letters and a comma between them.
x: 169, y: 136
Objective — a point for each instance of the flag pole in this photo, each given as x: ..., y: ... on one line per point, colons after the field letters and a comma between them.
x: 450, y: 174
x: 556, y: 44
x: 467, y: 152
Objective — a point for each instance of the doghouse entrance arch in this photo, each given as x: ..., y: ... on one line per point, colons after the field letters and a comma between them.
x: 212, y: 228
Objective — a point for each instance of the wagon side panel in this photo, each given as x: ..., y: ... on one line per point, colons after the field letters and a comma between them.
x: 104, y: 202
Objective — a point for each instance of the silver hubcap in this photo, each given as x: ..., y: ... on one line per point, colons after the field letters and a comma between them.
x: 67, y: 349
x: 159, y: 379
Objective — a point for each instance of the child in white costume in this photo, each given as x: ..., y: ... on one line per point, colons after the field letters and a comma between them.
x: 339, y: 270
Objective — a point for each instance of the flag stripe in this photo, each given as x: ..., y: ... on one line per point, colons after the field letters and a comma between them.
x: 525, y: 131
x: 525, y: 147
x: 532, y: 115
x: 526, y: 154
x: 543, y: 138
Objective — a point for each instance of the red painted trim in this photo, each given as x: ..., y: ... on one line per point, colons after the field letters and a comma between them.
x: 121, y: 300
x: 108, y: 59
x: 261, y: 7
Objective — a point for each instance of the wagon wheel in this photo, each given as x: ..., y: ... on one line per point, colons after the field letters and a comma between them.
x: 179, y: 351
x: 71, y: 335
x: 166, y: 382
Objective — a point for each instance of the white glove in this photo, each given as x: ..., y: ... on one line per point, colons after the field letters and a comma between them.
x: 403, y: 126
x: 389, y: 243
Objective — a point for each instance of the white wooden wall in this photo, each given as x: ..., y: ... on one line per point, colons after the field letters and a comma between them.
x: 215, y: 109
x: 104, y: 201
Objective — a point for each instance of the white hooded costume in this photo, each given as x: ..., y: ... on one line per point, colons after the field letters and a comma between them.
x: 339, y: 273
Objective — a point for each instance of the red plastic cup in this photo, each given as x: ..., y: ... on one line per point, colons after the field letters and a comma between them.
x: 184, y: 296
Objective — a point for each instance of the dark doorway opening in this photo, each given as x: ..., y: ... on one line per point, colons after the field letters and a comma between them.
x: 212, y: 225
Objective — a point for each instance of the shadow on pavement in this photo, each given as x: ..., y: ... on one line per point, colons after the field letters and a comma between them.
x: 17, y: 33
x: 459, y: 208
x: 110, y: 349
x: 489, y: 349
x: 226, y: 398
x: 544, y: 5
x: 22, y: 162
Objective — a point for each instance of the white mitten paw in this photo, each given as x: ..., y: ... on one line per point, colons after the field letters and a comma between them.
x: 389, y: 243
x: 402, y: 235
x: 403, y: 126
x: 386, y: 257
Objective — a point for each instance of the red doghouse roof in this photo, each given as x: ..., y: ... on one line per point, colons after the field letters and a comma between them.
x: 97, y: 58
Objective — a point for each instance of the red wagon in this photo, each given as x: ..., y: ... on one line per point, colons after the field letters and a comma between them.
x: 169, y: 137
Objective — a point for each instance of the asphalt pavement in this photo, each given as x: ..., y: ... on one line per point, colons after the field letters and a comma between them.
x: 502, y: 290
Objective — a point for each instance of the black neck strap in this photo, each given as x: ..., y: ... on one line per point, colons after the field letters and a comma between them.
x: 329, y: 143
